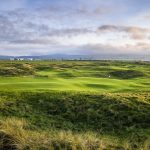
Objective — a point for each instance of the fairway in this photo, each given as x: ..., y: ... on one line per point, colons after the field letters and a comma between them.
x: 81, y: 76
x: 76, y: 84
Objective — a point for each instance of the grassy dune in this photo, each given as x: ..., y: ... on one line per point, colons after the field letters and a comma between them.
x: 74, y: 105
x: 115, y: 120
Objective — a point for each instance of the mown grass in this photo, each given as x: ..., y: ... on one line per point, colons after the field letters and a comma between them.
x: 94, y: 76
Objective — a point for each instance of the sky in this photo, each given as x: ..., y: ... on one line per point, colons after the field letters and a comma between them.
x: 74, y: 27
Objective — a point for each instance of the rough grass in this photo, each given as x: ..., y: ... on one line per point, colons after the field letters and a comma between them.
x: 16, y: 70
x: 16, y: 135
x: 79, y: 111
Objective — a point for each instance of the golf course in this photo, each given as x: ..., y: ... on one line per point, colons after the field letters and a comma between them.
x: 74, y: 105
x: 81, y: 76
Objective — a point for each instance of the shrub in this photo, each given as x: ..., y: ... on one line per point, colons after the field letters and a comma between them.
x: 126, y: 74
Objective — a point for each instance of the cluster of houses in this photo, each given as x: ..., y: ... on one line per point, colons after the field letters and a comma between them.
x: 21, y: 59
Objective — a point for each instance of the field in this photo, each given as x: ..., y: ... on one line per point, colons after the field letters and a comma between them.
x: 74, y: 105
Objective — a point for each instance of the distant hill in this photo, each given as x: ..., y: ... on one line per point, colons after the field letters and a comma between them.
x: 48, y: 57
x: 80, y: 57
x: 5, y: 57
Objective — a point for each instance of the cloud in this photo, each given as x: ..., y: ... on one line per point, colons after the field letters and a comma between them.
x: 41, y: 39
x: 31, y: 27
x: 147, y: 17
x: 8, y: 30
x: 138, y: 33
x: 134, y: 32
x: 100, y: 49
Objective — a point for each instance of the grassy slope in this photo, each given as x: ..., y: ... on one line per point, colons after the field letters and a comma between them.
x: 63, y: 120
x: 76, y: 84
x: 108, y: 117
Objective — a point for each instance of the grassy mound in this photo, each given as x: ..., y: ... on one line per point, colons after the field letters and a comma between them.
x: 127, y: 74
x: 107, y: 113
x: 74, y: 121
x: 16, y: 70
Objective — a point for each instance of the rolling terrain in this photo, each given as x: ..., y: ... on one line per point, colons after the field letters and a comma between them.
x: 74, y: 105
x: 94, y: 76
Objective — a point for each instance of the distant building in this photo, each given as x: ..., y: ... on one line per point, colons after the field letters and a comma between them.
x: 21, y: 59
x: 12, y: 59
x: 31, y: 59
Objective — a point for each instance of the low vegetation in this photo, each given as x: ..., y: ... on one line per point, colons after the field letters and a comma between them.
x: 16, y: 70
x: 127, y: 74
x: 74, y: 105
x: 60, y: 119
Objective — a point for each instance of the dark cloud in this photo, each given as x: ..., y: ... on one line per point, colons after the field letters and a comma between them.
x: 134, y: 32
x: 7, y: 29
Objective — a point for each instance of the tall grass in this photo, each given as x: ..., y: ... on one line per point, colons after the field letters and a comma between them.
x: 15, y: 135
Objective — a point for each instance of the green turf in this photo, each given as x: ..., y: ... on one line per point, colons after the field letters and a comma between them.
x: 99, y: 76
